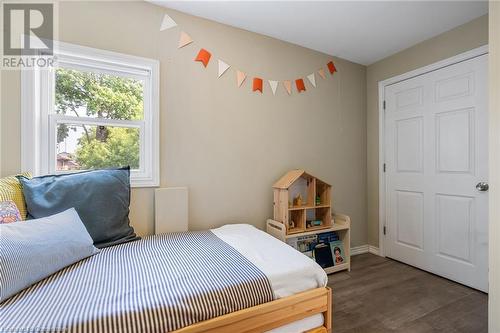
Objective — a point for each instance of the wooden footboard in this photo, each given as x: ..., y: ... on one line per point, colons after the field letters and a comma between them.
x: 270, y: 315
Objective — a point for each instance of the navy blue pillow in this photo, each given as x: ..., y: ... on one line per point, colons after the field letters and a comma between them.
x: 101, y: 198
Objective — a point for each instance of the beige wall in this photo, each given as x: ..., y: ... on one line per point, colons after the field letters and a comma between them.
x: 494, y: 258
x: 446, y: 45
x: 228, y: 145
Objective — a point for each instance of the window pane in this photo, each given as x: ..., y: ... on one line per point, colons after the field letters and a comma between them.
x: 84, y: 147
x: 96, y: 95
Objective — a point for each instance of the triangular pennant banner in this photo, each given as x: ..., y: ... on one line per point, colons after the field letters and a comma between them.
x: 288, y: 87
x: 223, y: 67
x: 274, y: 85
x: 257, y: 84
x: 167, y: 23
x: 300, y: 85
x: 321, y: 73
x: 240, y: 77
x: 203, y: 56
x: 331, y: 67
x: 184, y: 40
x: 312, y: 79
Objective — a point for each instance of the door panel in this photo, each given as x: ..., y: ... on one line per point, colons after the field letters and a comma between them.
x: 454, y: 87
x: 409, y: 145
x: 454, y: 226
x: 455, y: 141
x: 409, y: 98
x: 436, y: 151
x: 410, y: 214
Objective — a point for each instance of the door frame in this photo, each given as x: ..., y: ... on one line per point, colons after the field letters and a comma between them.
x: 474, y: 53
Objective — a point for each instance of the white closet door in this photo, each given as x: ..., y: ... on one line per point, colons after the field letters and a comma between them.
x: 436, y: 147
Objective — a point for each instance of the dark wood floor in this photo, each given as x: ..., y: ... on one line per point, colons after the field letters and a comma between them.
x: 383, y: 295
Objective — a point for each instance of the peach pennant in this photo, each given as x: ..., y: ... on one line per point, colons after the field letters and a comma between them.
x: 274, y: 85
x: 184, y: 40
x: 203, y: 56
x: 167, y: 23
x: 321, y: 73
x: 257, y: 84
x: 300, y: 85
x: 240, y: 77
x: 288, y: 86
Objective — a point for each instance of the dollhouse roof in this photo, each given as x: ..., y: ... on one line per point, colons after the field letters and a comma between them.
x: 291, y: 176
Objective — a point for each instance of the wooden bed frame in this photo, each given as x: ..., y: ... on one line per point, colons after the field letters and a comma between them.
x: 271, y: 315
x: 262, y: 317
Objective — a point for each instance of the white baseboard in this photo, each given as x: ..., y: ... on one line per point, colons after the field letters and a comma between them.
x: 364, y: 249
x: 373, y: 250
x: 359, y: 250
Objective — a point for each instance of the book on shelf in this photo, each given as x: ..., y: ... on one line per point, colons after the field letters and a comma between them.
x: 327, y: 237
x: 338, y: 254
x: 323, y: 255
x: 325, y: 248
x: 303, y: 243
x: 307, y: 243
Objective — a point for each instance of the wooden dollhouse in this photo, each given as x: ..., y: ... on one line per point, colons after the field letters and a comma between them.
x: 302, y: 202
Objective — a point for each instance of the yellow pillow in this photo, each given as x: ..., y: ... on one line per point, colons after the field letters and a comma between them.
x: 10, y: 189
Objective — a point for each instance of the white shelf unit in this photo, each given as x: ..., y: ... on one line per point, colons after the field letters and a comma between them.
x: 340, y: 223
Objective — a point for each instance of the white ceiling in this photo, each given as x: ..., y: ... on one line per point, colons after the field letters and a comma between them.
x: 360, y: 31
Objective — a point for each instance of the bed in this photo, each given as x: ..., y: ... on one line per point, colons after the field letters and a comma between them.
x: 231, y: 279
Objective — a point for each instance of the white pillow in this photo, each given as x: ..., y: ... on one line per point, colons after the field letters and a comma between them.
x: 32, y: 250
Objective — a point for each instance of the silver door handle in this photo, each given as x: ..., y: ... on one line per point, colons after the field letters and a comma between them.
x: 482, y: 186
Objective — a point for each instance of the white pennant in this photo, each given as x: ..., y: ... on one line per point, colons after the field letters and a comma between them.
x: 312, y: 79
x: 167, y: 23
x: 223, y: 67
x: 274, y: 85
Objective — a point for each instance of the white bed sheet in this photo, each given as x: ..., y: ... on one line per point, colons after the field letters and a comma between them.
x: 289, y: 271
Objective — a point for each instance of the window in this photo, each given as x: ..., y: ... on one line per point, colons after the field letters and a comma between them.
x: 94, y: 109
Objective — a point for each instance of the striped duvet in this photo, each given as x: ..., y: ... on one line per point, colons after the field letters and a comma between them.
x: 158, y: 284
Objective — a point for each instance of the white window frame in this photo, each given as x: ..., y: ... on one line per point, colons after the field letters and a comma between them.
x: 39, y: 122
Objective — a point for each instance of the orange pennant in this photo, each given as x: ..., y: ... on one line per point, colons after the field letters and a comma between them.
x: 203, y: 56
x: 300, y: 85
x: 288, y: 87
x: 257, y: 84
x: 321, y: 73
x: 331, y: 67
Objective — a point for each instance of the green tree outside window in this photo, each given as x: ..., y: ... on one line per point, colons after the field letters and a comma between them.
x: 88, y: 94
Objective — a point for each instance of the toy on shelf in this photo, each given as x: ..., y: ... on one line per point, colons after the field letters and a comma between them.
x: 313, y: 223
x: 297, y: 201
